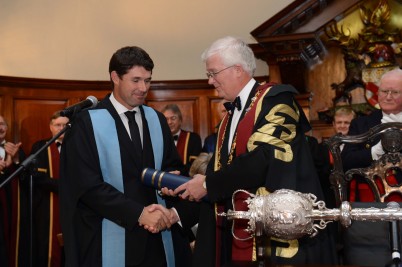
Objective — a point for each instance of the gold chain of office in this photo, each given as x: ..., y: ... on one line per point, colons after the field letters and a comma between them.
x: 233, y: 146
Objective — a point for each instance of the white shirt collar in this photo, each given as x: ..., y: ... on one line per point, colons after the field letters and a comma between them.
x: 245, y: 92
x: 119, y: 107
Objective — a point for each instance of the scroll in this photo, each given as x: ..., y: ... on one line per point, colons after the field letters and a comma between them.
x: 160, y: 179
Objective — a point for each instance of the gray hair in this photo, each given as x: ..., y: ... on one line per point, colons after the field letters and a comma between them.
x: 175, y: 109
x: 232, y: 51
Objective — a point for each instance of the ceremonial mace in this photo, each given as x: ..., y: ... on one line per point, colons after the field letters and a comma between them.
x: 284, y: 213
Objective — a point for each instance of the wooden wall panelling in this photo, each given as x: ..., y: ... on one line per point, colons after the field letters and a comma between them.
x: 31, y: 119
x: 27, y: 104
x: 188, y: 108
x: 1, y: 104
x: 214, y: 116
x: 193, y: 103
x: 322, y: 130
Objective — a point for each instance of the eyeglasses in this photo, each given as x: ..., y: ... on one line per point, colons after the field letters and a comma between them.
x: 393, y: 93
x: 59, y: 125
x: 213, y: 74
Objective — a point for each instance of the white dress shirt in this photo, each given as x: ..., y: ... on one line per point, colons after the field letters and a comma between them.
x: 121, y: 109
x: 244, y: 93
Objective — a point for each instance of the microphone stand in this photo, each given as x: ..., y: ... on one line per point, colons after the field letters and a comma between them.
x: 395, y: 240
x: 30, y: 162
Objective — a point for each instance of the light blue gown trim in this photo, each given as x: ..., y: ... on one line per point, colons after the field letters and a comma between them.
x: 157, y: 145
x: 113, y: 235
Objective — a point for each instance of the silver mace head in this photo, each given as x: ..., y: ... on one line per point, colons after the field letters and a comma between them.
x: 288, y: 214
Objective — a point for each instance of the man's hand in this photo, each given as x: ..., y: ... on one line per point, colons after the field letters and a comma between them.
x: 12, y: 150
x: 168, y: 192
x: 3, y: 165
x: 170, y: 213
x: 193, y: 189
x: 155, y: 218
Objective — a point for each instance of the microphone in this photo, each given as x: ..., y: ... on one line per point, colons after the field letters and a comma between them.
x: 70, y: 111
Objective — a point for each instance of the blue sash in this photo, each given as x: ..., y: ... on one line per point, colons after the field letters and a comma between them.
x: 113, y: 235
x: 157, y: 145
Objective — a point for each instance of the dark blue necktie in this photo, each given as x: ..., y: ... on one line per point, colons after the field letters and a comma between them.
x: 230, y: 106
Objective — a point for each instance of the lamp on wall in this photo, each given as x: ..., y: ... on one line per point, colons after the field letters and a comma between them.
x: 313, y: 53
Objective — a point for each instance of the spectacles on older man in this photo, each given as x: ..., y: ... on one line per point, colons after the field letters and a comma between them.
x: 214, y: 73
x: 394, y: 93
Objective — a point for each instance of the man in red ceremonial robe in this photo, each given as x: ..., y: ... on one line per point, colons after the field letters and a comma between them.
x: 188, y: 143
x: 261, y: 147
x: 47, y: 250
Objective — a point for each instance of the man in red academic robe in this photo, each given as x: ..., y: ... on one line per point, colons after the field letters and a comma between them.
x: 47, y: 250
x: 261, y: 147
x: 188, y: 143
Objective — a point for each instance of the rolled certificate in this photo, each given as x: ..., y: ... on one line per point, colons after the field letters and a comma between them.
x: 160, y: 179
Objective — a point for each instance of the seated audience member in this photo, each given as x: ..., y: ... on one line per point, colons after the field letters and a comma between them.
x: 210, y: 140
x: 12, y: 196
x: 343, y: 116
x: 47, y: 250
x: 341, y: 122
x: 188, y: 144
x: 361, y: 155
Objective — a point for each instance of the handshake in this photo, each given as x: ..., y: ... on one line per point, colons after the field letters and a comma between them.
x: 156, y: 218
x: 377, y: 151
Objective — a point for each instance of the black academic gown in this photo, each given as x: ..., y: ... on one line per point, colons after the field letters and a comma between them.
x: 260, y: 168
x: 188, y: 149
x: 86, y: 199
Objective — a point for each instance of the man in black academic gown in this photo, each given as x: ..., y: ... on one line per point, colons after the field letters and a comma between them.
x: 108, y: 216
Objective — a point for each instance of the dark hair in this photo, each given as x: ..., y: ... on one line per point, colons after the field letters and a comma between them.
x: 55, y: 115
x: 127, y: 57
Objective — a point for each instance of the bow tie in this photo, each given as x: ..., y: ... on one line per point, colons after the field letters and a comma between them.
x: 176, y: 137
x: 230, y: 106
